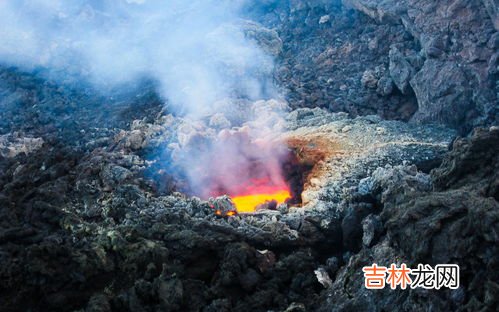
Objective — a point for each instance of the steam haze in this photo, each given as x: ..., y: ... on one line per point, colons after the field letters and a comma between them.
x: 194, y: 49
x: 197, y: 52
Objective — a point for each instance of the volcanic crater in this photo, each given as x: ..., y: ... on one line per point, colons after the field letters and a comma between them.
x: 188, y: 156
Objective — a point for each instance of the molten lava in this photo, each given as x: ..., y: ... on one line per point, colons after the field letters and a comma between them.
x: 248, y: 203
x: 260, y: 192
x: 250, y: 171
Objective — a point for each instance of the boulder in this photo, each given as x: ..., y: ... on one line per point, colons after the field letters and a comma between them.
x: 401, y: 70
x: 443, y: 93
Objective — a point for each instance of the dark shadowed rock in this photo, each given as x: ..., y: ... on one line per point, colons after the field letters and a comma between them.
x: 98, y: 303
x: 170, y: 293
x: 351, y: 225
x: 473, y: 161
x: 456, y: 223
x: 493, y: 10
x: 400, y: 70
x: 385, y: 86
x: 444, y: 94
x: 373, y: 228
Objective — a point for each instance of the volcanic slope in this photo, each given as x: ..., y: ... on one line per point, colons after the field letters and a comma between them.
x: 93, y: 228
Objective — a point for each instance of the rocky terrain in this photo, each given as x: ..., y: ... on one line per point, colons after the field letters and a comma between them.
x: 393, y: 104
x: 423, y: 61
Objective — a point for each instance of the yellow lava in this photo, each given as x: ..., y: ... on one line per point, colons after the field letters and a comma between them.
x: 248, y: 203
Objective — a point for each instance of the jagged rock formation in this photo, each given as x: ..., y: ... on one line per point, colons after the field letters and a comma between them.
x: 452, y: 215
x: 423, y: 61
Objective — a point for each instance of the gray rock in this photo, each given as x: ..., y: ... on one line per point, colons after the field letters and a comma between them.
x: 450, y: 223
x: 444, y: 94
x: 372, y: 227
x: 135, y: 140
x: 324, y: 19
x: 385, y: 86
x: 323, y: 277
x: 493, y: 9
x: 493, y: 42
x: 493, y: 64
x: 296, y: 307
x: 369, y: 79
x: 401, y: 70
x: 113, y: 175
x: 218, y: 305
x: 333, y: 264
x: 365, y: 186
x: 267, y: 38
x: 382, y: 11
x: 433, y: 47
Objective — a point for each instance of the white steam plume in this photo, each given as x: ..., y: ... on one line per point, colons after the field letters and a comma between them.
x: 193, y: 48
x: 200, y: 53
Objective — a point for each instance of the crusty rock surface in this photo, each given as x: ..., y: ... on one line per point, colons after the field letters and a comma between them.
x: 449, y: 216
x: 442, y: 57
x: 98, y: 227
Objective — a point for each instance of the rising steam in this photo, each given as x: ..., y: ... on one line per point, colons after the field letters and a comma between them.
x: 203, y: 56
x: 196, y: 50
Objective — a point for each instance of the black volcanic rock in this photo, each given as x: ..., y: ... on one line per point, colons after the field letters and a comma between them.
x: 441, y: 55
x: 456, y: 221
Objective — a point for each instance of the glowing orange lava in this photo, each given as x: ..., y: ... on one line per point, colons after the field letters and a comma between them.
x: 248, y: 203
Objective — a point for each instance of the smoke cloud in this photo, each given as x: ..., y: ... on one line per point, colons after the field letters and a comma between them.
x: 238, y: 161
x: 196, y: 50
x: 207, y: 62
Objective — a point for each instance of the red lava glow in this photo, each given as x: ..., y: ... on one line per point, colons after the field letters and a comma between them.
x: 226, y: 214
x: 242, y: 166
x: 249, y: 201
